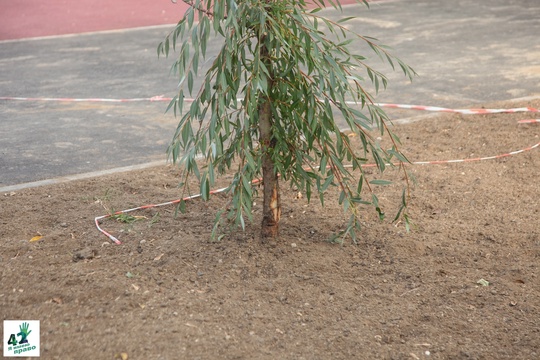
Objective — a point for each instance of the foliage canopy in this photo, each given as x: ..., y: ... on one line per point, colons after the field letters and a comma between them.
x: 286, y: 55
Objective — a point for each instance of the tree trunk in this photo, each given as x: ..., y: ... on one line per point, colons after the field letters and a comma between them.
x: 271, y: 201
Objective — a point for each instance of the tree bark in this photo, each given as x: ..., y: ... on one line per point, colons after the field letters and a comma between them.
x: 271, y: 201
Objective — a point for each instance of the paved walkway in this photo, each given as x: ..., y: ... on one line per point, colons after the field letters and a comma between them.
x: 466, y: 53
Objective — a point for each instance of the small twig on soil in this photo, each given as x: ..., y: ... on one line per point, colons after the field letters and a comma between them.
x: 188, y: 264
x: 406, y: 292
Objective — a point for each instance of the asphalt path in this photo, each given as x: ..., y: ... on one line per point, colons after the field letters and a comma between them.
x: 466, y: 53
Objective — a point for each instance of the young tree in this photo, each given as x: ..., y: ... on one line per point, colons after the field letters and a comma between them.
x: 266, y: 104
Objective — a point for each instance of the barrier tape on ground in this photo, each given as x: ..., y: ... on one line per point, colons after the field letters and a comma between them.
x: 434, y: 162
x: 458, y: 111
x: 151, y: 99
x: 174, y: 202
x: 98, y: 219
x: 383, y: 105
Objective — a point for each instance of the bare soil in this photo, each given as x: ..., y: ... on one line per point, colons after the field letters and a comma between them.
x: 168, y: 292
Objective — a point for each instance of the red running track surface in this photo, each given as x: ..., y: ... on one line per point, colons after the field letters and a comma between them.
x: 30, y: 18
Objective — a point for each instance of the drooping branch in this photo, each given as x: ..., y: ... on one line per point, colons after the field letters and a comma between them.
x: 191, y: 3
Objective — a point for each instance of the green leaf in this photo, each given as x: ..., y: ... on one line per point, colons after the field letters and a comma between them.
x: 181, y: 206
x: 380, y: 182
x: 329, y: 180
x: 205, y: 189
x: 360, y: 185
x: 345, y: 19
x: 166, y: 47
x: 190, y: 82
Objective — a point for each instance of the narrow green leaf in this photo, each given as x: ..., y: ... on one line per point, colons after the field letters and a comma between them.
x: 329, y: 180
x: 345, y: 19
x: 380, y: 182
x: 205, y: 189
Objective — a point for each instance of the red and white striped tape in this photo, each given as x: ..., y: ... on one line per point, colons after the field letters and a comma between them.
x: 395, y: 106
x: 435, y: 162
x: 458, y: 111
x: 150, y: 206
x: 500, y: 156
x: 384, y: 105
x: 151, y: 99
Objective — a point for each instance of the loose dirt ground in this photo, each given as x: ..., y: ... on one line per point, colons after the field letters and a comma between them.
x: 168, y: 292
